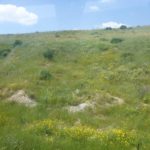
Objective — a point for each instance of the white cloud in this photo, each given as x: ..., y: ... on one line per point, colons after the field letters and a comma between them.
x: 97, y: 5
x: 94, y: 8
x: 91, y: 7
x: 14, y: 14
x: 111, y: 24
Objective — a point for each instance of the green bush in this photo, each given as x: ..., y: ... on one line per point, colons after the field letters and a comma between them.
x: 17, y: 43
x: 108, y: 28
x: 123, y: 27
x: 57, y: 35
x: 48, y: 54
x: 45, y: 75
x: 116, y: 40
x: 4, y: 53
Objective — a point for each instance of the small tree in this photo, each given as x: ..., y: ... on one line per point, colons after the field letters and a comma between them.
x: 48, y: 54
x: 4, y: 53
x: 108, y: 28
x: 45, y: 75
x: 123, y: 27
x: 17, y: 43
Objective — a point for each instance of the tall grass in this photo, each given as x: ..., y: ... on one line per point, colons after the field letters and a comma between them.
x: 85, y: 66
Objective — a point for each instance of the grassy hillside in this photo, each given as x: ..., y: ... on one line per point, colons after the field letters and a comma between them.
x: 62, y: 69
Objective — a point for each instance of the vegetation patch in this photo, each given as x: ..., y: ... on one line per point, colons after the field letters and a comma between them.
x: 105, y: 85
x: 45, y: 75
x: 46, y: 127
x: 17, y: 43
x: 123, y: 27
x: 80, y: 133
x: 49, y: 54
x: 4, y: 53
x: 116, y: 40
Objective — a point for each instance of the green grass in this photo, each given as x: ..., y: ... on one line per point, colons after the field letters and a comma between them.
x: 86, y: 61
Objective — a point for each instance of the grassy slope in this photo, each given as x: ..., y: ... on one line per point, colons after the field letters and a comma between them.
x: 84, y: 60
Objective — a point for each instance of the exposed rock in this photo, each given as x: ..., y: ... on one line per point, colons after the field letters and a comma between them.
x: 80, y: 107
x: 102, y: 100
x: 22, y: 98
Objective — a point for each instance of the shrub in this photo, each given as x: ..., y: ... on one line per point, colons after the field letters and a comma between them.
x: 116, y: 40
x: 57, y: 35
x: 48, y: 54
x: 17, y: 43
x: 123, y: 27
x: 108, y: 28
x: 45, y: 75
x: 4, y: 53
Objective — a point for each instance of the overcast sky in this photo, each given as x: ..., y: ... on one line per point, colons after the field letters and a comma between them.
x: 18, y: 16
